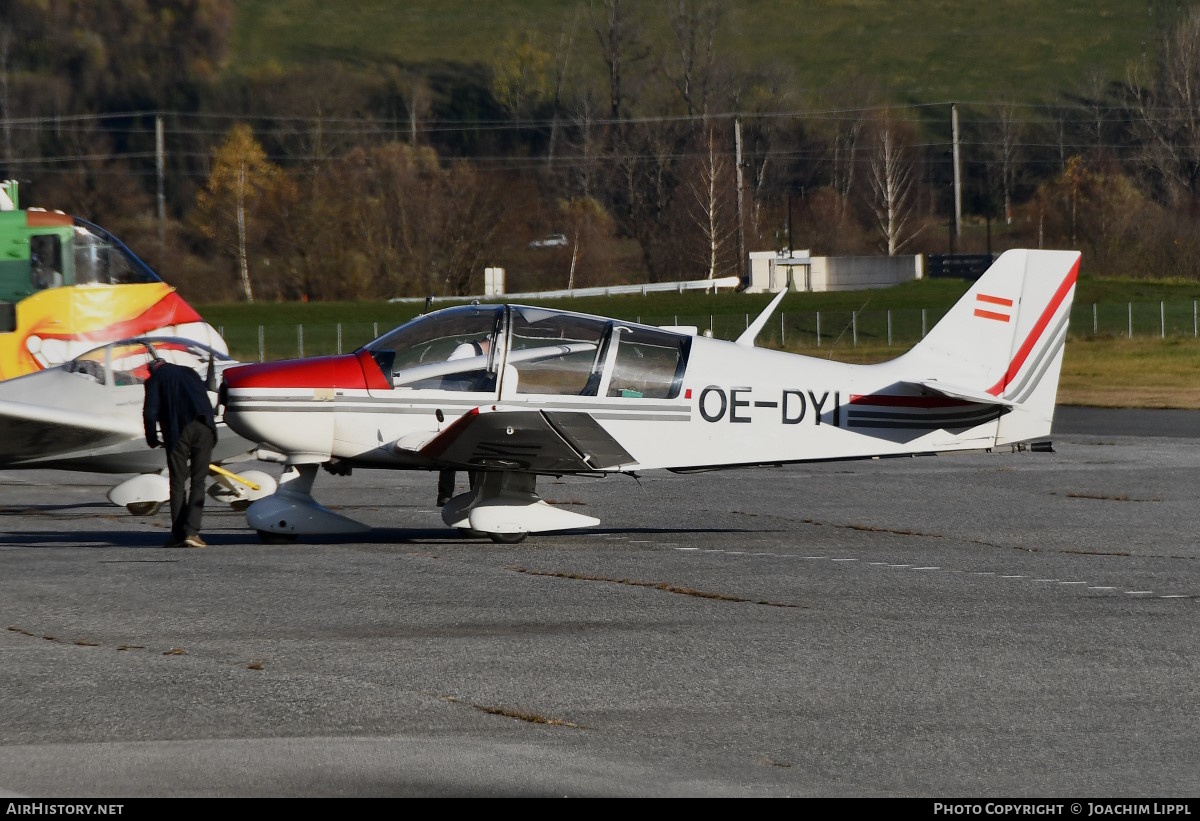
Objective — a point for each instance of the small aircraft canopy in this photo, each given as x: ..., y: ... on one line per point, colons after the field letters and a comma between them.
x: 126, y: 361
x: 546, y: 352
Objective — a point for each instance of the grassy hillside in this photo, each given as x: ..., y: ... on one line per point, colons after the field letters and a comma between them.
x: 922, y: 50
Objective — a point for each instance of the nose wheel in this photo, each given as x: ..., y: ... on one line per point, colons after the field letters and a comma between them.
x: 507, y: 538
x: 143, y: 508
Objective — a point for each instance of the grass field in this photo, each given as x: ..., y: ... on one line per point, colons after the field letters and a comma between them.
x: 920, y: 51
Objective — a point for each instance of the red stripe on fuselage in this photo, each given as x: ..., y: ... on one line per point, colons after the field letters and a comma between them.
x: 1035, y: 333
x: 888, y: 400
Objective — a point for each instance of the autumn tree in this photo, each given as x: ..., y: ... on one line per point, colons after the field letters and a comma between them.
x: 231, y: 207
x: 520, y: 78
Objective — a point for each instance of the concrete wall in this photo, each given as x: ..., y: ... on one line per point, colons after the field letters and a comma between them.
x: 857, y: 273
x: 770, y: 272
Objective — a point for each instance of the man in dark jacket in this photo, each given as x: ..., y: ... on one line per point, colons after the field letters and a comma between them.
x: 178, y: 405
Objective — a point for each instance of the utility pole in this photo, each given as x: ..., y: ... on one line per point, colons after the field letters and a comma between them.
x: 737, y: 135
x: 158, y: 168
x: 957, y: 175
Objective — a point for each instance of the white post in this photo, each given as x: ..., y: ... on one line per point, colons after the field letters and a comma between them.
x: 262, y: 352
x: 957, y: 177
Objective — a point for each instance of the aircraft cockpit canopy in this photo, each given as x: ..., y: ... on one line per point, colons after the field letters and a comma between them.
x: 127, y: 361
x: 535, y: 351
x: 103, y: 259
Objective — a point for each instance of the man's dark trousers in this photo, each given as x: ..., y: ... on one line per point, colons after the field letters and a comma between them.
x: 195, y: 446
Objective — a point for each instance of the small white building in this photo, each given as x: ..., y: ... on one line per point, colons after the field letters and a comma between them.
x: 493, y: 282
x: 773, y: 271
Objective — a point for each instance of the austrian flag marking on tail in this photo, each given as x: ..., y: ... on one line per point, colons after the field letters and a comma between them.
x: 997, y: 307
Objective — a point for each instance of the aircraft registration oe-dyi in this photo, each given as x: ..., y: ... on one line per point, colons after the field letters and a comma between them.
x: 557, y: 393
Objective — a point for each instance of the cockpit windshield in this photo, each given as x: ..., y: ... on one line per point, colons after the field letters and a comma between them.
x: 126, y: 362
x: 463, y: 335
x: 101, y: 258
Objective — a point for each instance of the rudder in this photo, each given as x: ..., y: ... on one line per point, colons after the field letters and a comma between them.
x: 1005, y: 338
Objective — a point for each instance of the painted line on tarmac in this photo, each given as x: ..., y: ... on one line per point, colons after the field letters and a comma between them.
x: 936, y: 569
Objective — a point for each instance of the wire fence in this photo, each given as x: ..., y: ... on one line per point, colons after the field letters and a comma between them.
x: 794, y: 331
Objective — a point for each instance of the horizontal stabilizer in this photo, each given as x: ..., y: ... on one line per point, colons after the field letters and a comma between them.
x: 959, y: 392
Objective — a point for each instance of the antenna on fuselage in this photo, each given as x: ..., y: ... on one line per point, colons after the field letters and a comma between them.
x: 746, y: 340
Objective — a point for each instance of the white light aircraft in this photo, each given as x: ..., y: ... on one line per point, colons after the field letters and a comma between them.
x: 560, y: 393
x: 86, y: 415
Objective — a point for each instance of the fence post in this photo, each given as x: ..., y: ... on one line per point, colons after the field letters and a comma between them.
x: 922, y: 323
x: 854, y: 328
x: 1162, y: 318
x: 1130, y: 320
x: 818, y: 329
x: 889, y: 317
x: 339, y: 349
x: 782, y: 331
x: 300, y: 340
x: 1195, y: 322
x: 1095, y: 325
x: 375, y: 329
x: 262, y: 348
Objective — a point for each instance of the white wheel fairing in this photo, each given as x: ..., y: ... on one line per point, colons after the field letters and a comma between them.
x: 143, y: 489
x: 291, y: 510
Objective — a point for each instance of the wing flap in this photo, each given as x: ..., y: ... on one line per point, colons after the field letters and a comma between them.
x: 528, y: 440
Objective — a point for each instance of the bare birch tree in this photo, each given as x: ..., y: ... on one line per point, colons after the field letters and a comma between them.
x: 695, y: 24
x: 620, y: 46
x: 1165, y: 98
x: 1009, y: 131
x: 711, y: 208
x: 891, y: 179
x: 241, y: 178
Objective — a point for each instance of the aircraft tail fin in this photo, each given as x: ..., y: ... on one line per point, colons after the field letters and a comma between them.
x: 1003, y: 341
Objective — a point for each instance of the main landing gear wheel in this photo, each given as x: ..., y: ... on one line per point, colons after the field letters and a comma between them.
x: 143, y: 508
x: 267, y: 537
x: 507, y: 538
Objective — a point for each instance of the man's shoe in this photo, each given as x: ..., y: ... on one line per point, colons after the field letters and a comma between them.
x: 195, y: 541
x: 442, y: 500
x: 173, y: 542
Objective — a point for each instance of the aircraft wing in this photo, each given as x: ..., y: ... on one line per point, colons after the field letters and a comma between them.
x: 533, y: 441
x: 959, y: 392
x: 29, y: 431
